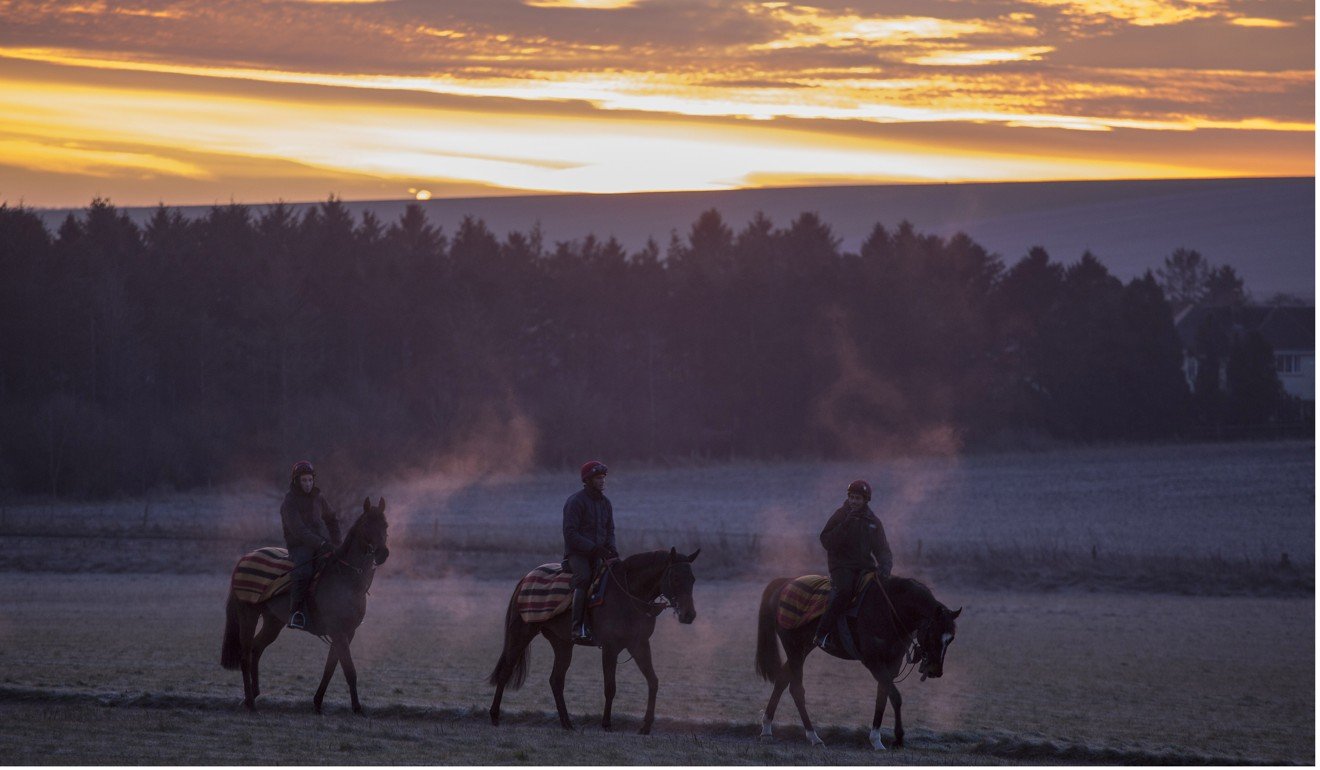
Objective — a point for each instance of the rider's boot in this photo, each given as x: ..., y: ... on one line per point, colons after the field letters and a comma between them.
x: 297, y: 606
x: 823, y: 630
x: 580, y: 633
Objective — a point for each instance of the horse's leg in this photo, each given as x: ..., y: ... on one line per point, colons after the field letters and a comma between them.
x: 609, y: 660
x: 563, y: 648
x: 270, y: 629
x: 897, y: 700
x: 247, y: 630
x: 885, y: 690
x: 331, y: 661
x: 796, y: 657
x: 350, y: 671
x: 642, y: 654
x: 768, y: 718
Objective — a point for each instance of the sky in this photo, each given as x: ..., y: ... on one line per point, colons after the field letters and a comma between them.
x: 188, y: 102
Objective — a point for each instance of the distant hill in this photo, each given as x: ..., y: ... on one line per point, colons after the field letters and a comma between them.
x: 1265, y: 228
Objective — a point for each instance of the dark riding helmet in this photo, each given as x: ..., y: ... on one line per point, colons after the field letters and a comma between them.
x: 592, y: 468
x: 302, y: 467
x: 861, y: 488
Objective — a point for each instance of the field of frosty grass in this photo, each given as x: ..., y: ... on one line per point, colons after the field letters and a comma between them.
x: 1208, y: 503
x: 1102, y: 672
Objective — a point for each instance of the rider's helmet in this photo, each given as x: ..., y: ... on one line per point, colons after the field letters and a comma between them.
x: 861, y: 488
x: 593, y: 468
x: 302, y: 467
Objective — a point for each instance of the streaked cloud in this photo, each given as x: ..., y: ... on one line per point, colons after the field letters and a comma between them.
x: 717, y: 94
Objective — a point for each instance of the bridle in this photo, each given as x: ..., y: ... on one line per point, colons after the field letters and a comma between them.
x: 916, y: 653
x: 665, y: 595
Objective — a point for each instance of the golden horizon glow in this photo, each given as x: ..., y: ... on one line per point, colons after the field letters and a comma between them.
x: 641, y: 98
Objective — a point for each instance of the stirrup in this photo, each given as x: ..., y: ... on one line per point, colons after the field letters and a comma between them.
x: 821, y: 640
x: 582, y: 636
x: 298, y: 620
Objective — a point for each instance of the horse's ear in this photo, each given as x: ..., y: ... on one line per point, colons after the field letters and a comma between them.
x: 366, y: 504
x: 955, y: 613
x: 381, y: 505
x: 693, y: 557
x: 673, y: 554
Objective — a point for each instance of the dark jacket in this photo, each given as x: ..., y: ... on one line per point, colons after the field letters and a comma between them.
x: 588, y: 522
x: 857, y: 541
x: 307, y: 518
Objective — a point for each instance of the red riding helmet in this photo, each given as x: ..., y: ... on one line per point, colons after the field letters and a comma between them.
x: 592, y: 468
x: 861, y: 488
x: 302, y: 467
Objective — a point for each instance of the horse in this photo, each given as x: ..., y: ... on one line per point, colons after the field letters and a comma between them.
x: 893, y: 613
x: 340, y: 603
x: 624, y: 620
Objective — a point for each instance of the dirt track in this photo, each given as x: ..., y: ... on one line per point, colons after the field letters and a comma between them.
x: 93, y: 664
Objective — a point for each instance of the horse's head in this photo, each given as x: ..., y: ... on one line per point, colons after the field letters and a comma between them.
x: 370, y: 531
x: 676, y: 584
x: 934, y: 636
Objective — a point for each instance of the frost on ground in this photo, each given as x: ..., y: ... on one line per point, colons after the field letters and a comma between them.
x: 1062, y: 677
x: 1212, y: 519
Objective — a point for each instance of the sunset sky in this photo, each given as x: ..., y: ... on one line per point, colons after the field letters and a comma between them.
x: 198, y: 102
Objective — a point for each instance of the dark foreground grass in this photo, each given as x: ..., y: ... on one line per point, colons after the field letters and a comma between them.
x: 47, y: 727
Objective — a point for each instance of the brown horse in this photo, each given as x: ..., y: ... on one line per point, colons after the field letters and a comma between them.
x: 892, y: 614
x: 624, y: 621
x: 339, y: 604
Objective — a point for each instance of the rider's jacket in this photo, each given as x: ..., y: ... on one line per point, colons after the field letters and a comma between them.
x: 856, y: 541
x: 307, y: 518
x: 588, y: 523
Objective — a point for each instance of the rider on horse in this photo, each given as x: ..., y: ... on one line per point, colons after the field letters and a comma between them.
x: 588, y: 539
x: 310, y: 530
x: 855, y: 542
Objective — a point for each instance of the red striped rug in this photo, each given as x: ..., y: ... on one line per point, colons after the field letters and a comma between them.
x: 543, y: 593
x: 261, y: 574
x: 802, y: 600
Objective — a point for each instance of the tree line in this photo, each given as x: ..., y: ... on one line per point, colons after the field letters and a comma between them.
x: 188, y: 352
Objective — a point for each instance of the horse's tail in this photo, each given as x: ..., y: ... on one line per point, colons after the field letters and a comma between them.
x: 231, y: 649
x: 517, y: 668
x: 768, y: 662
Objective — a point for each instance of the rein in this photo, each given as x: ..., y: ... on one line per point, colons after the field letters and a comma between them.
x: 666, y: 602
x: 898, y: 622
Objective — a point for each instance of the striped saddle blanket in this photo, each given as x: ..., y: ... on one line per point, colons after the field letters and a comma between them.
x: 261, y: 574
x: 804, y: 599
x: 547, y: 591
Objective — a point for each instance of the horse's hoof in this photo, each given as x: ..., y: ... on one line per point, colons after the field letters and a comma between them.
x: 646, y: 730
x: 249, y: 705
x: 359, y: 711
x: 495, y: 720
x: 766, y: 738
x: 876, y: 742
x: 606, y: 727
x: 566, y: 725
x: 815, y: 740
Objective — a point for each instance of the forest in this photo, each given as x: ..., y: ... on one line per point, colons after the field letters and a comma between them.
x: 186, y: 353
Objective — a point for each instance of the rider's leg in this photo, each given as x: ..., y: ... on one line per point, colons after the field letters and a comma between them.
x: 581, y: 568
x: 300, y: 577
x: 842, y: 582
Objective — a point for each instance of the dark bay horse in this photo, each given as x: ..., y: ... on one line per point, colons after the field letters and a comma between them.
x: 892, y: 614
x: 624, y: 621
x: 340, y: 603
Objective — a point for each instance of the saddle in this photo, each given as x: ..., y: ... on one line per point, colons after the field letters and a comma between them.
x: 547, y: 591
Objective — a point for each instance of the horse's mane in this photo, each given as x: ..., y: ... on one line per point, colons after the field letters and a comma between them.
x: 644, y: 559
x: 355, y: 528
x: 912, y: 587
